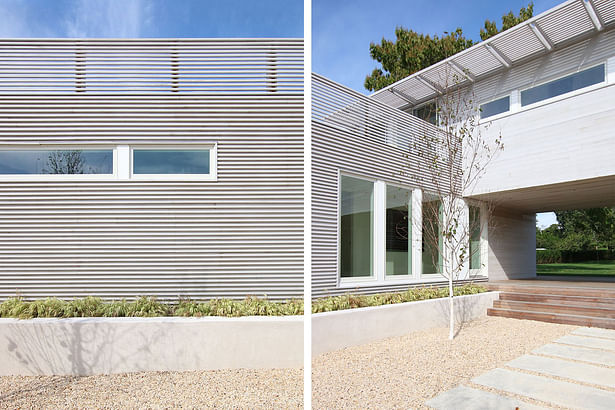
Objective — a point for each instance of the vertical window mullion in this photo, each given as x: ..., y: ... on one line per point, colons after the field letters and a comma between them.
x: 417, y: 233
x: 379, y: 230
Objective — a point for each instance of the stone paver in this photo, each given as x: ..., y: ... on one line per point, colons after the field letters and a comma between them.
x: 583, y: 354
x: 595, y: 332
x: 595, y: 347
x: 466, y: 398
x: 587, y: 341
x: 581, y: 372
x: 546, y: 389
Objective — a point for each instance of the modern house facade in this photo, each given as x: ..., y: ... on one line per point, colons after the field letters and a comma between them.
x: 171, y: 168
x: 546, y: 86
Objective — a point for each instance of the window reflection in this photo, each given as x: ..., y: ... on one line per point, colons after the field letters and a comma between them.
x: 70, y: 162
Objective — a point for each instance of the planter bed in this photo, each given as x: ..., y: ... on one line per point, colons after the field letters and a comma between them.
x: 344, y: 328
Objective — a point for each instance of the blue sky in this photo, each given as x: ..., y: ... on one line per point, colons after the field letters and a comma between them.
x: 151, y: 18
x: 343, y: 29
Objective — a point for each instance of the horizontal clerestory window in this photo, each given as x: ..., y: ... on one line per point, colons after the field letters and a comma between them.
x: 569, y: 83
x: 121, y: 162
x: 495, y: 107
x: 148, y: 161
x: 58, y: 161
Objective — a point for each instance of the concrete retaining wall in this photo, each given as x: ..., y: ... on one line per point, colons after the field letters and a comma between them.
x: 86, y: 346
x: 344, y: 328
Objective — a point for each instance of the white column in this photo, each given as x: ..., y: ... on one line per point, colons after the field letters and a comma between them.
x: 379, y: 229
x: 484, y: 240
x: 610, y: 67
x: 123, y: 162
x: 463, y: 235
x: 515, y: 101
x: 417, y: 232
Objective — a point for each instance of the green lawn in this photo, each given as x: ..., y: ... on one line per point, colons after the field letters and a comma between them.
x: 602, y: 268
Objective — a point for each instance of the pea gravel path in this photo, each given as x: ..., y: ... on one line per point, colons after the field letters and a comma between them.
x: 403, y: 372
x: 219, y: 389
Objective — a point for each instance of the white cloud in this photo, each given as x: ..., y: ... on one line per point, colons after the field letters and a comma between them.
x: 108, y: 18
x: 14, y: 20
x: 75, y: 18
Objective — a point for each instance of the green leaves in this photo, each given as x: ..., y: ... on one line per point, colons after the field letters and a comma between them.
x: 412, y: 51
x: 409, y: 53
x: 146, y: 307
x: 508, y: 20
x: 350, y: 301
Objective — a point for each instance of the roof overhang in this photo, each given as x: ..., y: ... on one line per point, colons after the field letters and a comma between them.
x: 570, y: 21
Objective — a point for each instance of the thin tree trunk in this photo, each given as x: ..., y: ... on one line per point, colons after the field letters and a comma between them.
x: 451, y: 332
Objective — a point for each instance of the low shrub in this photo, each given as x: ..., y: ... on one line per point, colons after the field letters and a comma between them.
x: 251, y: 306
x: 351, y: 301
x: 544, y: 256
x: 548, y: 256
x: 145, y: 307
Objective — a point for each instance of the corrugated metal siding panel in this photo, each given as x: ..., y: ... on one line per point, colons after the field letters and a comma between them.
x: 356, y: 143
x: 240, y: 235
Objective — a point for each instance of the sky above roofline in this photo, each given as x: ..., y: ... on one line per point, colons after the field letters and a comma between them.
x: 151, y: 18
x: 342, y: 30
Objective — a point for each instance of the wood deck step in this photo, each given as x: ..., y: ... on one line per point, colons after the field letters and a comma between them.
x: 559, y: 299
x: 554, y: 290
x: 569, y: 309
x: 554, y: 318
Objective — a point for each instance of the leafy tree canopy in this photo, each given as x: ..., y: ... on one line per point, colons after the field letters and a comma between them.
x: 579, y: 230
x: 508, y: 20
x: 412, y: 51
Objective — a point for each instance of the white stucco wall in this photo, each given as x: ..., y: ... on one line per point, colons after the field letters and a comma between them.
x: 86, y: 346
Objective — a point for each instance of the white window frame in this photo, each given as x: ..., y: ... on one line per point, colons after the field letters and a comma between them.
x: 500, y: 114
x: 213, y: 163
x: 515, y: 102
x: 569, y: 93
x: 484, y: 239
x: 60, y: 177
x: 365, y: 280
x: 379, y: 277
x: 413, y: 274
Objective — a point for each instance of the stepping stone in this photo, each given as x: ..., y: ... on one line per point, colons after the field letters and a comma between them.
x: 549, y: 390
x: 466, y: 398
x: 586, y: 341
x: 563, y: 368
x: 595, y: 332
x: 582, y: 354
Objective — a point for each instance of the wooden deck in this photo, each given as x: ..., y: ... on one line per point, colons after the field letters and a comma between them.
x: 571, y: 300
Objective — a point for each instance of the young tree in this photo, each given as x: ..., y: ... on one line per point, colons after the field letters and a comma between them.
x: 454, y: 159
x: 412, y: 51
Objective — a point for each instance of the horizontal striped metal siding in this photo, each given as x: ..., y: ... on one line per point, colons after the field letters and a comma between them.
x: 240, y: 235
x: 350, y: 133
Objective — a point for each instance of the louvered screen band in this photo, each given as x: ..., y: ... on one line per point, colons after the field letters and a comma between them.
x: 151, y: 65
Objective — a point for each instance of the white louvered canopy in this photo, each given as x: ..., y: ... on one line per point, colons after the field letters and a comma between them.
x: 567, y: 22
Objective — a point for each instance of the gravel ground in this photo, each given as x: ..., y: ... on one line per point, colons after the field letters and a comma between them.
x: 220, y: 389
x: 403, y: 372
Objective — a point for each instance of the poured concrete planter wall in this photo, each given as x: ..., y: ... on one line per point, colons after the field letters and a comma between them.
x: 85, y: 346
x: 344, y: 328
